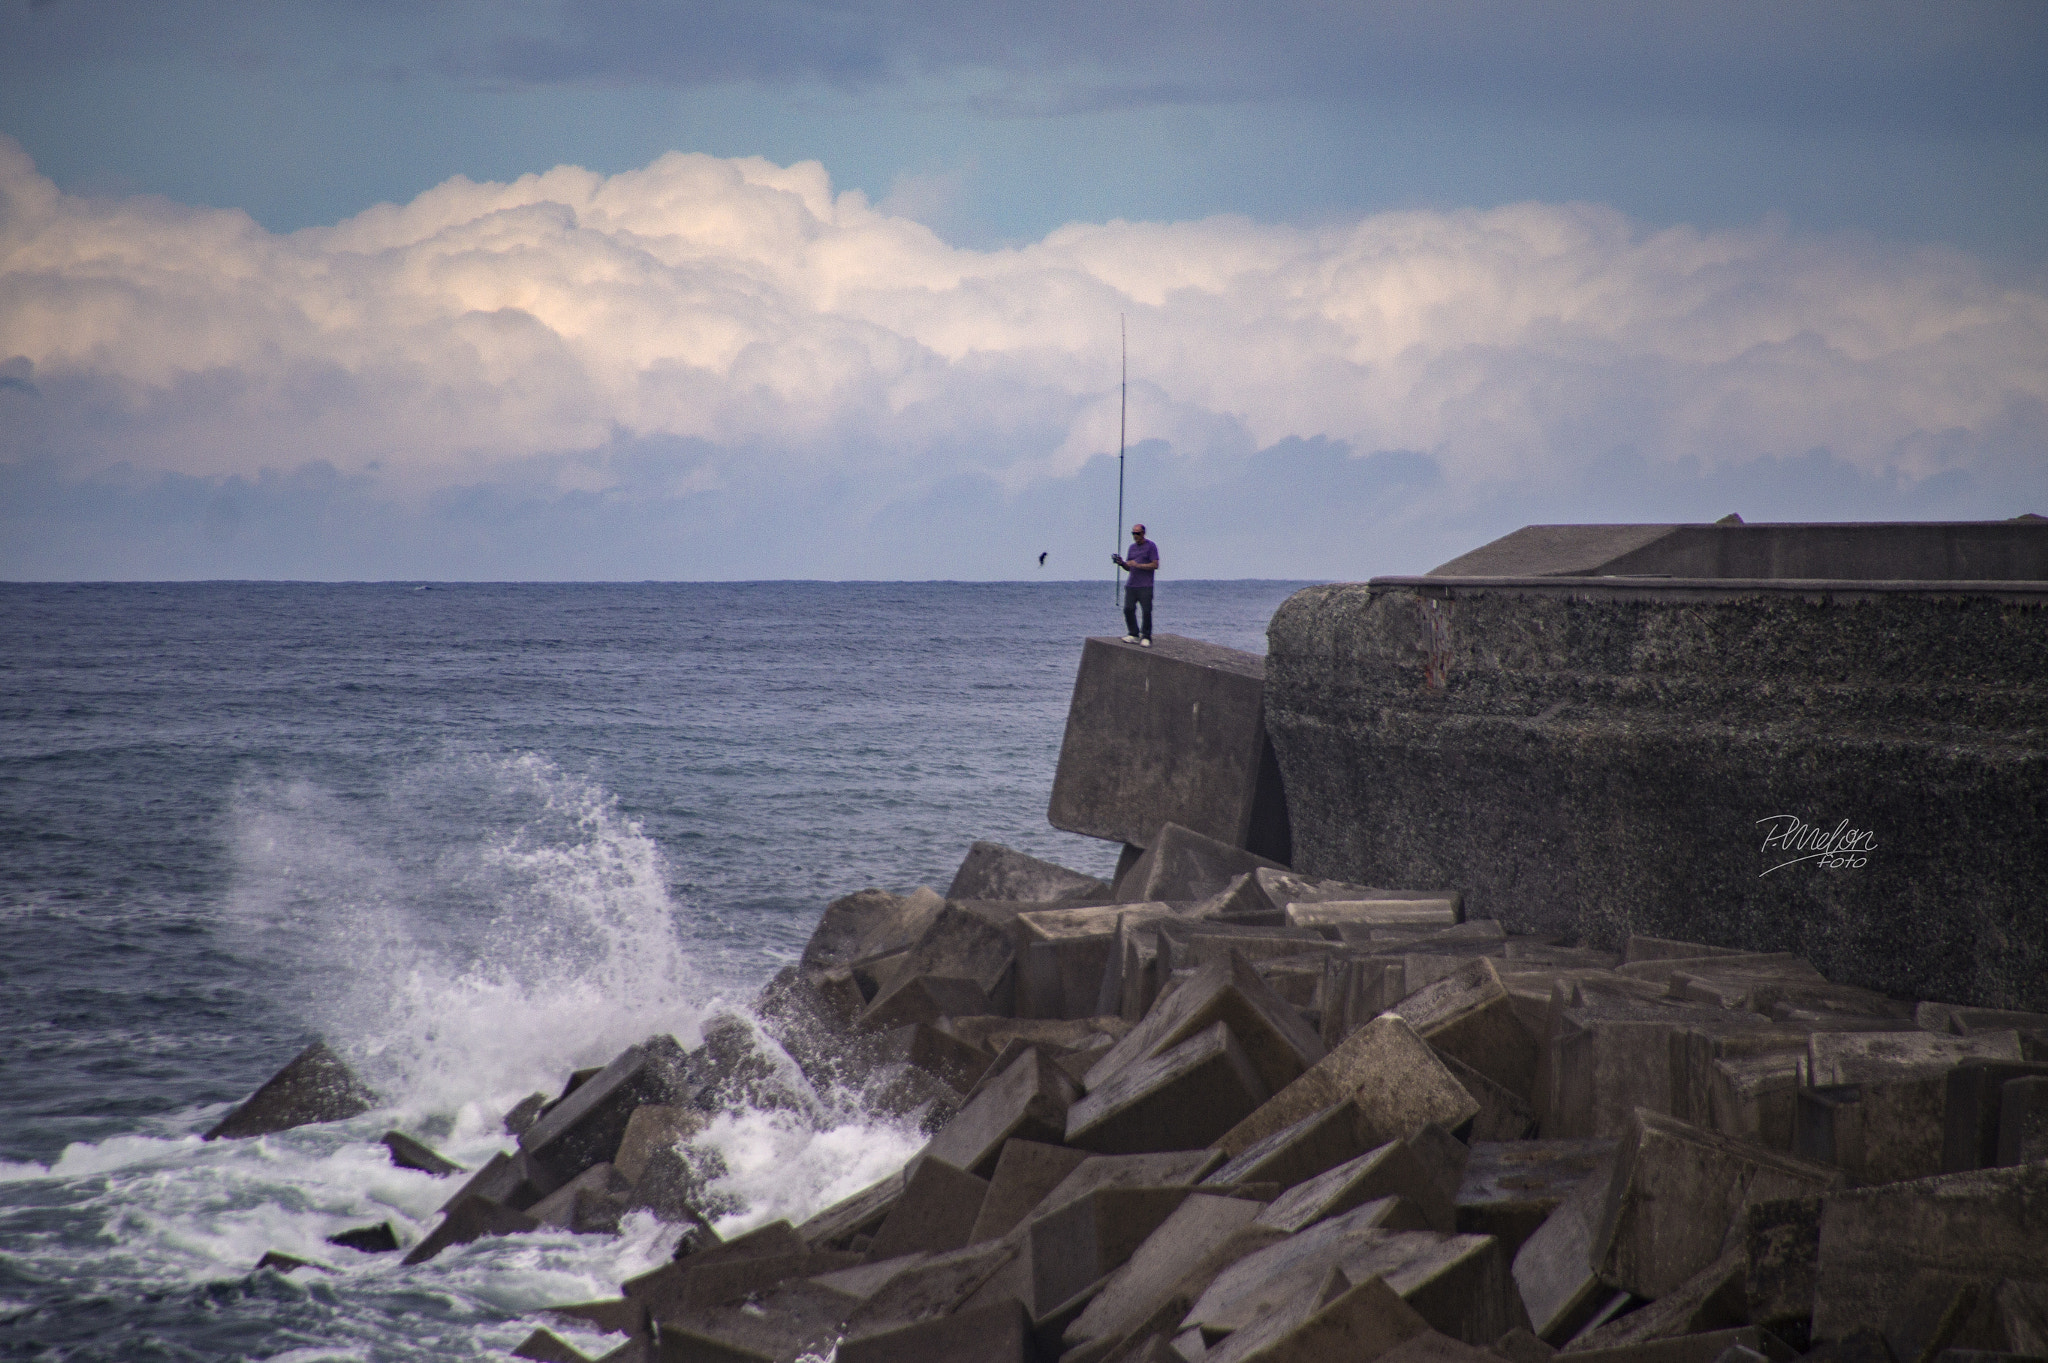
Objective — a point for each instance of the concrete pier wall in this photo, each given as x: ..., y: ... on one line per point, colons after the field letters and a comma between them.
x: 1602, y: 754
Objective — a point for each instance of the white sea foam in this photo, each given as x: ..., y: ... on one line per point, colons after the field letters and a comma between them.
x: 470, y: 934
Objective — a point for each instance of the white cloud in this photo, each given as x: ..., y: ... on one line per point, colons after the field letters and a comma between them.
x: 705, y: 328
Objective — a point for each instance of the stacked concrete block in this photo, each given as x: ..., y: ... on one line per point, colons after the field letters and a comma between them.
x: 1275, y: 1119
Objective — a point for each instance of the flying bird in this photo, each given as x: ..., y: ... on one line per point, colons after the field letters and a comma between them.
x: 1041, y: 559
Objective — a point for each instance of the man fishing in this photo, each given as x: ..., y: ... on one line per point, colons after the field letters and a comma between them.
x: 1141, y: 561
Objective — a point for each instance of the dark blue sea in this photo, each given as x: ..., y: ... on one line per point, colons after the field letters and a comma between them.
x: 475, y: 836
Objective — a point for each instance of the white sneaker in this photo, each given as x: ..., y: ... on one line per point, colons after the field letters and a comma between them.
x: 1130, y: 638
x: 1144, y: 643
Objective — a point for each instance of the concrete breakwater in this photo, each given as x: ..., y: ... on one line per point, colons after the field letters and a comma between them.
x: 1221, y: 1109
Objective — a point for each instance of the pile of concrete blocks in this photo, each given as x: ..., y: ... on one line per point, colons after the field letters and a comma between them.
x: 1287, y: 1119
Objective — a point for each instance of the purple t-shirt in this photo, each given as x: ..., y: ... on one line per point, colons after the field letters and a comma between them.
x: 1141, y: 557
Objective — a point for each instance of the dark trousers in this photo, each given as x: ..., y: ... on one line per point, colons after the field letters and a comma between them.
x: 1133, y: 598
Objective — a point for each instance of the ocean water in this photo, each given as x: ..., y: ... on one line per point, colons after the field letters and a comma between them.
x: 475, y: 836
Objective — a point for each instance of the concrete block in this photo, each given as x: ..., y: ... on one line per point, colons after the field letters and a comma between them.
x: 652, y: 1127
x: 1270, y: 1277
x: 993, y: 871
x: 1756, y: 1097
x: 968, y: 939
x: 1504, y: 1115
x: 1436, y: 1347
x: 1419, y: 910
x: 524, y: 1113
x: 278, y: 1262
x: 1607, y: 1057
x: 1970, y: 1105
x: 1392, y: 1170
x: 1879, y: 1106
x: 858, y: 1214
x: 513, y: 1180
x: 1781, y: 1249
x: 936, y: 1213
x: 1276, y: 1040
x: 990, y: 1034
x: 1184, y: 865
x: 1389, y: 1074
x: 1170, y: 734
x: 1555, y: 1269
x: 1028, y: 1101
x: 939, y: 1285
x: 616, y: 1315
x: 1066, y: 953
x: 1164, y: 1275
x: 1320, y: 1141
x: 1471, y: 1016
x: 315, y: 1086
x: 1338, y: 1321
x: 989, y: 1334
x: 2023, y: 1120
x: 1712, y: 1299
x: 1702, y: 1348
x: 1187, y: 942
x: 1156, y: 1169
x: 407, y: 1153
x: 471, y: 1218
x: 589, y: 1204
x: 923, y: 998
x: 1510, y: 1188
x: 871, y: 923
x: 1644, y: 1244
x: 586, y: 1127
x: 544, y: 1346
x: 1178, y: 1099
x: 377, y: 1239
x: 1357, y: 989
x: 1024, y: 1173
x: 784, y: 1322
x: 1458, y: 1283
x: 1076, y: 1245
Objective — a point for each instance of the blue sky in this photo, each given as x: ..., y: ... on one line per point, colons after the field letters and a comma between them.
x: 1398, y: 279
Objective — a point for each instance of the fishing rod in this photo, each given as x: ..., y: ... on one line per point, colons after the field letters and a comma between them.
x: 1122, y: 409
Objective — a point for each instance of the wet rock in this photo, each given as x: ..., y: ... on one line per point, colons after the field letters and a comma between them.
x: 316, y: 1086
x: 617, y: 1315
x: 512, y: 1180
x: 471, y: 1218
x: 519, y: 1119
x: 654, y: 1127
x: 922, y: 998
x: 544, y: 1346
x: 377, y: 1239
x: 589, y: 1204
x: 407, y: 1153
x: 859, y: 1214
x: 585, y: 1128
x: 279, y: 1262
x: 783, y: 1322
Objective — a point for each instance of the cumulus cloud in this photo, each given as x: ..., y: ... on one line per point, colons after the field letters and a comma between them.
x: 675, y: 370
